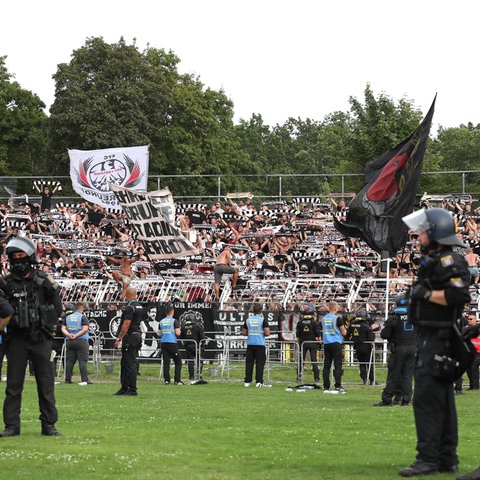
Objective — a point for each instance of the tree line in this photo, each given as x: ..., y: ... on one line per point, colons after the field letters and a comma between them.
x: 114, y: 95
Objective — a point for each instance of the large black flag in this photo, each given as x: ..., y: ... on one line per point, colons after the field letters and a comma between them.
x: 391, y: 182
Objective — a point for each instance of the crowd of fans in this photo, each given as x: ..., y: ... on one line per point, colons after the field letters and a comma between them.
x: 269, y: 240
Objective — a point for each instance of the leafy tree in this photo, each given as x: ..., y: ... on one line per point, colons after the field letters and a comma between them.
x: 115, y: 96
x: 378, y: 125
x: 107, y: 96
x: 22, y: 128
x: 455, y: 149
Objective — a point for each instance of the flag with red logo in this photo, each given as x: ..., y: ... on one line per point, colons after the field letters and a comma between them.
x: 92, y: 172
x: 391, y: 182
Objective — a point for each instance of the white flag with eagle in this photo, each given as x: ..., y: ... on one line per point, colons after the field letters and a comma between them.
x: 92, y: 172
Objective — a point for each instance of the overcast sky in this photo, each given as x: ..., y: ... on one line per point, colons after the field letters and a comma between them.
x: 278, y: 58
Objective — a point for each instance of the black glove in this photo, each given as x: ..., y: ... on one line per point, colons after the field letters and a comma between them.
x: 471, y: 331
x: 420, y: 292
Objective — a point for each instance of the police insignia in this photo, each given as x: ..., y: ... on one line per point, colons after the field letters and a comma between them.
x: 456, y: 282
x: 447, y: 260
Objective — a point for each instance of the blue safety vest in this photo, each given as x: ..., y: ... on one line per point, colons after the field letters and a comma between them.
x: 74, y: 324
x: 256, y: 335
x: 167, y: 326
x: 331, y: 332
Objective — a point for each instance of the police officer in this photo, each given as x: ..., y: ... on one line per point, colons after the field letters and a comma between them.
x: 437, y: 301
x: 402, y: 339
x: 192, y: 333
x: 75, y: 330
x: 6, y: 312
x: 130, y: 338
x: 362, y: 336
x: 37, y: 304
x: 308, y: 335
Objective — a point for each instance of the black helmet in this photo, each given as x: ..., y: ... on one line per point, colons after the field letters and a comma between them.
x: 309, y: 308
x: 401, y: 303
x: 361, y: 315
x: 443, y: 227
x: 189, y: 317
x: 24, y: 265
x: 22, y: 244
x: 439, y: 224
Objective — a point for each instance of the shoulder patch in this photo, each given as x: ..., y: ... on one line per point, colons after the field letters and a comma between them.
x: 447, y: 260
x: 456, y: 282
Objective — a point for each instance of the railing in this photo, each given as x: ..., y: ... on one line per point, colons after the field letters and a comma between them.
x: 346, y: 182
x: 274, y: 294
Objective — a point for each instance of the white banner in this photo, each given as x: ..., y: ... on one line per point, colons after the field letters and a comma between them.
x: 93, y: 171
x: 159, y: 237
x: 163, y: 201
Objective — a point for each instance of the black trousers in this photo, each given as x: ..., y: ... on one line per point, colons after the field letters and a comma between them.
x: 2, y: 354
x: 332, y: 353
x: 313, y: 349
x: 131, y: 344
x: 401, y: 364
x: 435, y: 417
x: 363, y: 352
x: 76, y: 350
x: 472, y: 373
x: 19, y: 350
x: 191, y: 356
x: 256, y: 356
x: 170, y: 351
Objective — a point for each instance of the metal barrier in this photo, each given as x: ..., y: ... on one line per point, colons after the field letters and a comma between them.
x: 280, y: 354
x: 275, y: 293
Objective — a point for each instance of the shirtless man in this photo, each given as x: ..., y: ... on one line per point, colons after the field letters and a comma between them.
x: 125, y: 275
x: 224, y: 265
x: 472, y: 260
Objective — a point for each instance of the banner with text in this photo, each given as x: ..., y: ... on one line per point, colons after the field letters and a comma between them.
x: 160, y: 238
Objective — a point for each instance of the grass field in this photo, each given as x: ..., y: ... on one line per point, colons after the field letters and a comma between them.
x: 221, y: 430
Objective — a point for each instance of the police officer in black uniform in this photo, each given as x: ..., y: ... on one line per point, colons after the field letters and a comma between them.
x: 192, y: 332
x: 402, y: 340
x: 37, y: 305
x: 130, y: 338
x: 437, y: 301
x: 308, y: 335
x: 362, y: 336
x: 6, y: 312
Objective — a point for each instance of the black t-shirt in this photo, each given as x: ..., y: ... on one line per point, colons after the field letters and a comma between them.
x: 135, y: 313
x: 321, y: 266
x: 196, y: 217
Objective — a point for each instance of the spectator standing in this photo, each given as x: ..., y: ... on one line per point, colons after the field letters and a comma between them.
x: 125, y: 275
x: 472, y: 371
x: 333, y: 331
x: 169, y: 332
x: 37, y: 303
x: 224, y: 265
x: 46, y: 197
x: 308, y: 335
x: 76, y: 334
x: 256, y: 328
x: 130, y: 338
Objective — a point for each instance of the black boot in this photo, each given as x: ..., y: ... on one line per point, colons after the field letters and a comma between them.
x: 50, y: 430
x: 419, y: 468
x: 10, y: 432
x: 475, y: 475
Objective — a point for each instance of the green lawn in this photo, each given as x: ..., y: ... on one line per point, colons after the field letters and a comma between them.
x: 221, y: 431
